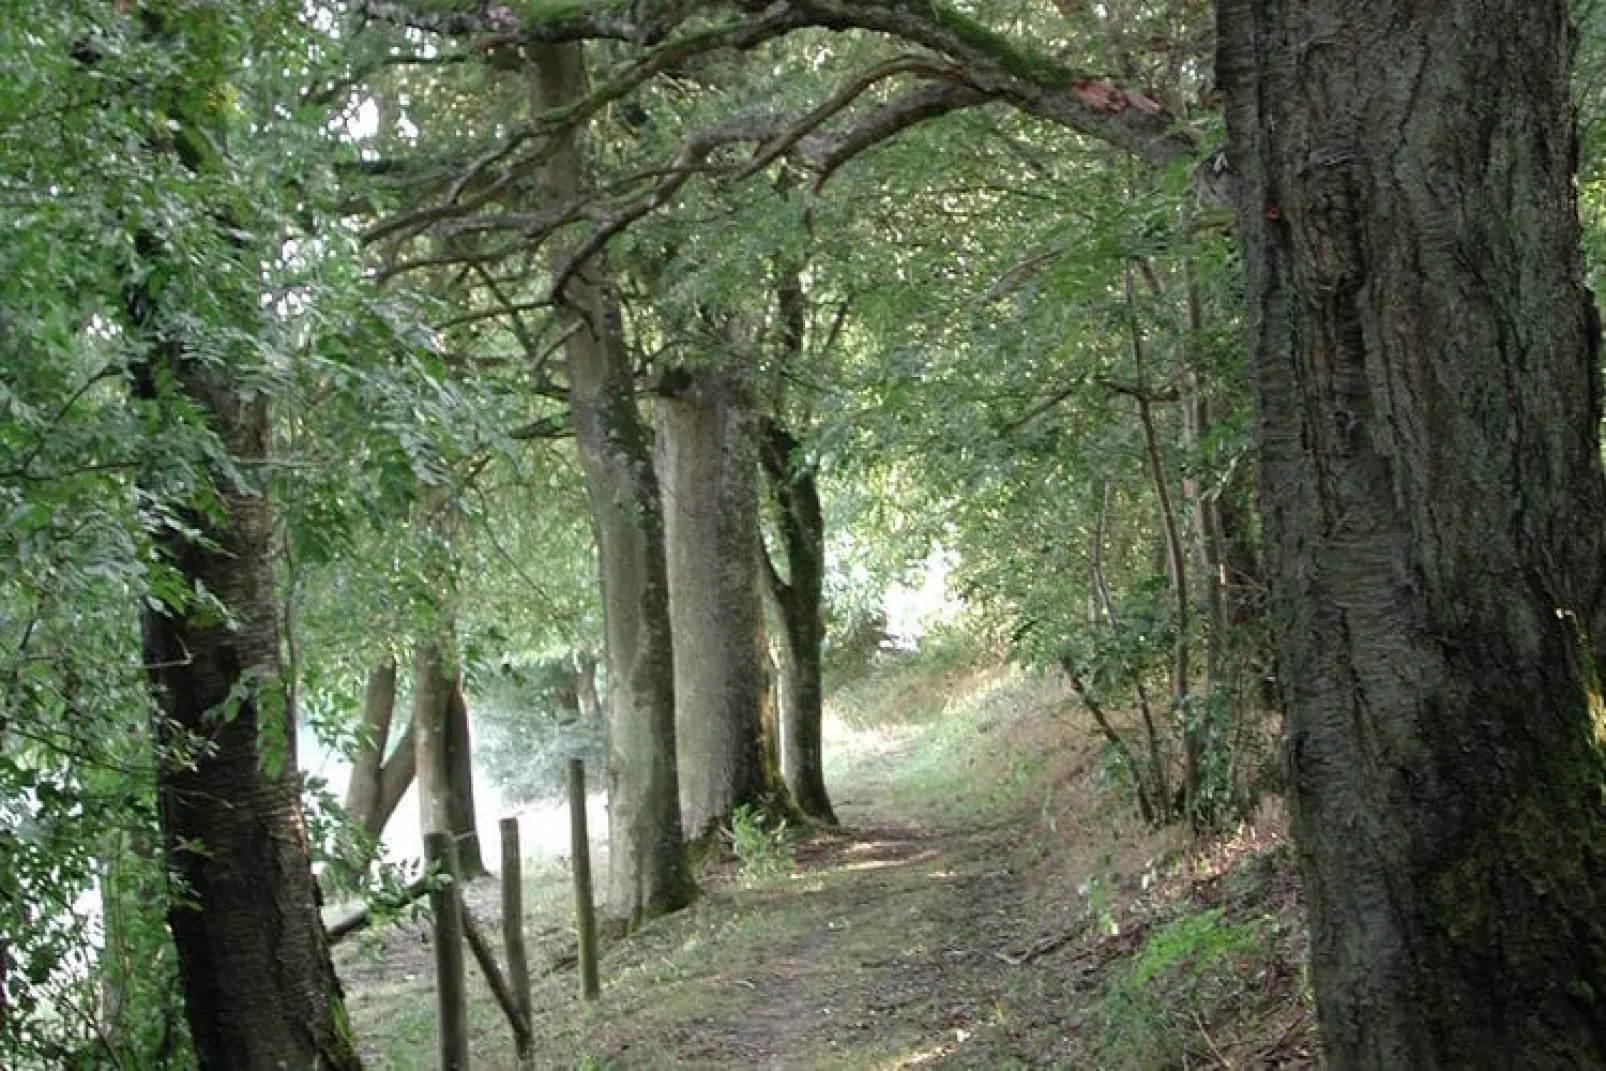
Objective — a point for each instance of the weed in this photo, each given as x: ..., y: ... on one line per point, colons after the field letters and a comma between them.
x: 763, y: 847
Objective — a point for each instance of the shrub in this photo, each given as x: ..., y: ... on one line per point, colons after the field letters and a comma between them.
x: 763, y: 846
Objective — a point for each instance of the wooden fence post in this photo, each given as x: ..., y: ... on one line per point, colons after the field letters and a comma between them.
x: 446, y: 903
x: 580, y: 858
x: 518, y: 963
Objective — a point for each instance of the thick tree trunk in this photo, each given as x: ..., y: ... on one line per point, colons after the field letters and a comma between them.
x: 259, y: 989
x: 1426, y: 376
x: 649, y: 872
x: 460, y: 784
x: 799, y: 598
x: 708, y: 471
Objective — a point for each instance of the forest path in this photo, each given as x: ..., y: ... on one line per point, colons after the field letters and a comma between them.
x: 880, y: 951
x: 888, y: 946
x: 894, y: 941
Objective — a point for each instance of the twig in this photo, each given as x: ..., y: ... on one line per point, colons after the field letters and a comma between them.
x: 1039, y: 949
x: 1208, y: 1041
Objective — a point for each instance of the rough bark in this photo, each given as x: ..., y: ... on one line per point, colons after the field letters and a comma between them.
x: 1426, y: 377
x: 649, y: 872
x: 259, y: 989
x: 798, y: 597
x: 708, y: 471
x: 460, y: 784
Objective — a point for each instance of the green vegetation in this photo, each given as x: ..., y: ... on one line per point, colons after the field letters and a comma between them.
x: 1192, y: 970
x: 864, y: 412
x: 762, y: 846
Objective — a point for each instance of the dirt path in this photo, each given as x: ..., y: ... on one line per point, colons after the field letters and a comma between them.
x: 883, y: 950
x: 944, y: 925
x: 887, y: 953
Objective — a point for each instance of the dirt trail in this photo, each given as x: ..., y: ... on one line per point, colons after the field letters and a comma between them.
x: 886, y: 949
x: 944, y: 925
x: 889, y: 954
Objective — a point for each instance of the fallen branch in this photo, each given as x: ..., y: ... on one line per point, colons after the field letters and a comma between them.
x: 1039, y: 949
x: 364, y: 915
x: 485, y: 956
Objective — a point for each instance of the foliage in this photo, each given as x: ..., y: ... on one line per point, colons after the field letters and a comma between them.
x: 530, y: 725
x: 762, y: 845
x: 1188, y: 972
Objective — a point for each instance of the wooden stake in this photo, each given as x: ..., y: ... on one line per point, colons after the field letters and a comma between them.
x: 518, y: 962
x: 580, y: 858
x: 485, y: 956
x: 446, y: 903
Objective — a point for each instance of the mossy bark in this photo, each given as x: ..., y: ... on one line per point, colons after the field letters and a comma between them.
x: 1426, y: 373
x: 708, y: 469
x: 799, y: 602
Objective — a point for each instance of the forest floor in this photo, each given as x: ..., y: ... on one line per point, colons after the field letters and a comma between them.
x: 988, y: 902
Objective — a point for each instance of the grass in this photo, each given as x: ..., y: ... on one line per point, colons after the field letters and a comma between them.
x: 988, y: 905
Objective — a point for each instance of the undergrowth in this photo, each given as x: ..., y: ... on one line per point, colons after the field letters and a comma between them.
x: 1155, y: 1011
x: 762, y: 845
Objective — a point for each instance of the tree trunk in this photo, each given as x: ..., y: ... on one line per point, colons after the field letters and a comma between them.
x: 460, y: 784
x: 585, y: 687
x: 649, y: 871
x: 1426, y: 376
x: 799, y: 598
x: 432, y: 688
x: 394, y: 780
x: 259, y: 989
x: 367, y: 765
x: 708, y: 470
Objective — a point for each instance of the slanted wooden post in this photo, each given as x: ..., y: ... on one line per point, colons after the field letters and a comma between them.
x: 518, y: 963
x: 446, y: 903
x: 580, y: 858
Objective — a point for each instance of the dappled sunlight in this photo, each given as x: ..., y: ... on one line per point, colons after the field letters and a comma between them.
x: 872, y: 864
x: 921, y: 1058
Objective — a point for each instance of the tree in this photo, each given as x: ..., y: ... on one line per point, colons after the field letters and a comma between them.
x: 797, y: 595
x: 380, y: 773
x: 708, y: 469
x: 648, y: 868
x: 259, y: 987
x: 1426, y: 366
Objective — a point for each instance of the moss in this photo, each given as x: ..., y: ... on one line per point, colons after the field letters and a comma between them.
x: 556, y: 10
x: 1033, y: 67
x: 340, y: 1051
